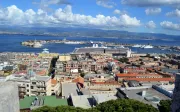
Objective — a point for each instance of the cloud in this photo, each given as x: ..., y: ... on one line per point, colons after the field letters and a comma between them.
x: 150, y: 25
x: 105, y: 3
x: 118, y: 12
x: 152, y: 11
x: 150, y: 3
x: 63, y: 18
x: 59, y: 2
x: 175, y: 13
x: 44, y: 4
x: 50, y: 2
x: 169, y: 25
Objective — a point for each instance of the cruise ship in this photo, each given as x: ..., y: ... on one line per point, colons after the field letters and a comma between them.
x: 71, y: 42
x: 147, y: 46
x: 102, y: 49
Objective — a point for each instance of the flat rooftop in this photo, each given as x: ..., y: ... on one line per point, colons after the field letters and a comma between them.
x: 68, y: 89
x: 41, y: 78
x: 104, y: 97
x: 150, y: 92
x: 87, y: 76
x: 168, y: 87
x: 83, y: 101
x: 32, y: 102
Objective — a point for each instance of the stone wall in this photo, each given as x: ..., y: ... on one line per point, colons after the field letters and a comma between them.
x: 9, y: 97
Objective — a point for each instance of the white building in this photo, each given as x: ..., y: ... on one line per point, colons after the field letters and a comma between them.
x: 36, y: 85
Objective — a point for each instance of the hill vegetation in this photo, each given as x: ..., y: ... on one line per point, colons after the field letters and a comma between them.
x: 120, y: 105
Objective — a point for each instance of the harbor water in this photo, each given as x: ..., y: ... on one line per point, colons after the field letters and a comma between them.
x: 12, y: 43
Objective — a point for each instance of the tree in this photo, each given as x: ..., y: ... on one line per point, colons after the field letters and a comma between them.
x: 164, y: 105
x: 125, y: 105
x: 148, y: 55
x: 123, y: 60
x: 119, y: 105
x: 82, y: 74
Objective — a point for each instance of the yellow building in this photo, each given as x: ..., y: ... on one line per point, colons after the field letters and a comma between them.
x: 64, y: 58
x: 48, y: 55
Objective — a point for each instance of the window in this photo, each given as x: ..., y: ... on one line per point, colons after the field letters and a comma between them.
x: 33, y: 82
x: 27, y: 90
x: 32, y: 87
x: 27, y: 85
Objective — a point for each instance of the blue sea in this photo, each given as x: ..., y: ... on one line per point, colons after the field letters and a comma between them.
x: 12, y: 43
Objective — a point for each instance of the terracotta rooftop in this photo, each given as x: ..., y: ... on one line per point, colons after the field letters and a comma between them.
x: 136, y: 68
x: 127, y: 75
x: 106, y: 83
x: 79, y: 80
x: 53, y: 81
x: 22, y: 72
x: 42, y: 72
x: 136, y: 75
x: 150, y: 79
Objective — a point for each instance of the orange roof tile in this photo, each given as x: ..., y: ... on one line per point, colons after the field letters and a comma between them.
x: 106, y: 83
x: 126, y: 75
x: 150, y: 79
x: 136, y: 75
x: 79, y: 80
x: 42, y: 72
x: 53, y: 81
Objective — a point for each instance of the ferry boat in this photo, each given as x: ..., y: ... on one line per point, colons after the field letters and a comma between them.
x: 71, y: 42
x: 119, y: 47
x: 37, y: 44
x: 137, y: 45
x: 147, y: 46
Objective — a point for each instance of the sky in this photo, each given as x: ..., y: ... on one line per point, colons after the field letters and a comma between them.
x: 151, y: 16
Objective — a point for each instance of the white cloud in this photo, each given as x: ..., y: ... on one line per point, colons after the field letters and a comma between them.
x: 152, y: 11
x: 63, y: 18
x: 175, y: 13
x: 149, y: 3
x: 105, y: 3
x: 118, y: 12
x: 170, y: 25
x: 58, y: 2
x: 127, y: 20
x: 44, y: 4
x: 150, y: 25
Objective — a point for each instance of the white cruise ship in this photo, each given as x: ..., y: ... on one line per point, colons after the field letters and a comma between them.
x: 137, y: 45
x: 70, y: 42
x: 147, y: 46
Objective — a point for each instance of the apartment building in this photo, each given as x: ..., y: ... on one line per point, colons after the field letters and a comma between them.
x: 34, y: 86
x: 121, y: 77
x: 64, y: 58
x: 132, y: 69
x: 84, y: 65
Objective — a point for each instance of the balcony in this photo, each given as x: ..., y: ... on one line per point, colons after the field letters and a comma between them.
x: 41, y: 90
x: 41, y: 85
x: 22, y: 90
